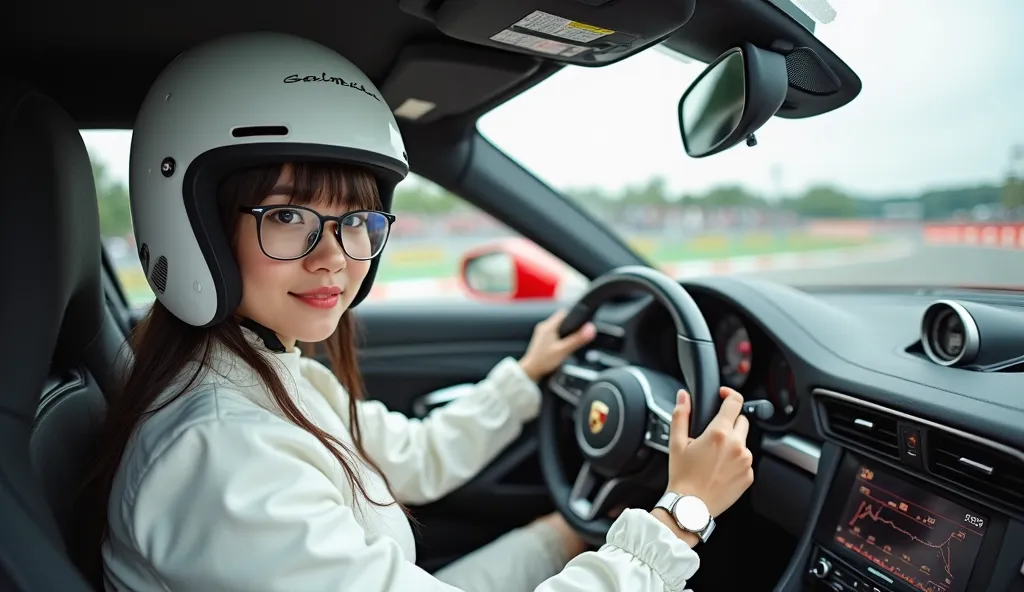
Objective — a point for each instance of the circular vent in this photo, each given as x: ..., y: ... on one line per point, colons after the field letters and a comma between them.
x: 949, y: 334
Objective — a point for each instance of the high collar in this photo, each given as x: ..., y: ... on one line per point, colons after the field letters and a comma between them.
x: 289, y: 359
x: 226, y: 369
x: 268, y: 338
x: 223, y: 368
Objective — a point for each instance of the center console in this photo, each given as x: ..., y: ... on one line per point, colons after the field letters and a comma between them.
x: 884, y: 530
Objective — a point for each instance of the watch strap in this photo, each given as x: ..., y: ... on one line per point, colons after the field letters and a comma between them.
x: 668, y: 499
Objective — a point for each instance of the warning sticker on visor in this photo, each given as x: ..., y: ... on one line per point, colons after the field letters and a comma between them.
x: 531, y: 42
x: 549, y: 24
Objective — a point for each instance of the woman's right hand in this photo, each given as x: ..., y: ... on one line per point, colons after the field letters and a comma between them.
x: 717, y: 466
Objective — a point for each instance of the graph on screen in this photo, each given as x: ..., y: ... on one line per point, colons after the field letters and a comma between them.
x: 922, y: 539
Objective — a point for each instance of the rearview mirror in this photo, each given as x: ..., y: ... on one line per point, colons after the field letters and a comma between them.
x: 734, y: 96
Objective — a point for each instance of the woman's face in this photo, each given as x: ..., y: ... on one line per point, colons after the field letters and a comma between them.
x: 287, y: 296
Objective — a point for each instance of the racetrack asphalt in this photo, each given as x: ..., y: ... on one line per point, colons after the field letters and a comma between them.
x: 923, y: 266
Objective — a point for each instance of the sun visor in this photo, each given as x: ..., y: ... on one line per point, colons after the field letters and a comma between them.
x: 430, y: 82
x: 581, y: 32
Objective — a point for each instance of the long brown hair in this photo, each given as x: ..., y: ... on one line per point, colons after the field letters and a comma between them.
x: 164, y: 345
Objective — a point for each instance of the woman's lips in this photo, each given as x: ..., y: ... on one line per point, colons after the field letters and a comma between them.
x: 323, y: 298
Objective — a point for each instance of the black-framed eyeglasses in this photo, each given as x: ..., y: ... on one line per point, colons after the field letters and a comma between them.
x: 287, y: 232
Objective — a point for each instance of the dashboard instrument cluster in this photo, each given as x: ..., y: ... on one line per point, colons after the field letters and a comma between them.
x: 749, y: 360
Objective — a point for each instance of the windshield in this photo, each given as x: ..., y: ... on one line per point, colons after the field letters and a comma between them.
x: 919, y: 180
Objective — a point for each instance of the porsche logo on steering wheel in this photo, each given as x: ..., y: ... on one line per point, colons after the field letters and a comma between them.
x: 598, y: 416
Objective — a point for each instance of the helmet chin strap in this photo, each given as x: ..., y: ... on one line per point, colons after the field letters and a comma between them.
x: 268, y: 337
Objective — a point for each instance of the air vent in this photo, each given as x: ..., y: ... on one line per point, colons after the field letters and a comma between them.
x: 985, y: 469
x: 863, y: 427
x: 259, y: 130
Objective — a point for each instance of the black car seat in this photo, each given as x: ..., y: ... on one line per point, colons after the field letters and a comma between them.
x: 60, y: 343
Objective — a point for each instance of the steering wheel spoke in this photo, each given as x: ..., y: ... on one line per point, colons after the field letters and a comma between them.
x: 570, y: 382
x: 592, y: 494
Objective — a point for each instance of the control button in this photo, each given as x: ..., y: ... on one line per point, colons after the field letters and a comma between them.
x: 571, y: 383
x: 911, y: 443
x: 846, y: 579
x: 657, y: 433
x: 821, y: 568
x: 911, y: 438
x: 880, y: 575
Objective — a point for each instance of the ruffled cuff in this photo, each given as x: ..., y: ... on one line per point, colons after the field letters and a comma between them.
x: 643, y: 536
x: 515, y: 387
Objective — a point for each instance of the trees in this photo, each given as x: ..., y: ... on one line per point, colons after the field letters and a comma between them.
x: 416, y: 196
x: 823, y: 202
x: 112, y: 197
x: 424, y: 198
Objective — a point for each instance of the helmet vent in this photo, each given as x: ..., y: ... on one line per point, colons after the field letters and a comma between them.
x: 159, y: 275
x: 259, y: 130
x: 144, y: 258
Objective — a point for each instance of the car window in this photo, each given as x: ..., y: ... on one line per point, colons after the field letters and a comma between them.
x: 434, y: 232
x: 432, y: 235
x: 919, y: 180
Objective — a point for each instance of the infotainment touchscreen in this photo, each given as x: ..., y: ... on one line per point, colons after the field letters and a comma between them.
x: 922, y: 539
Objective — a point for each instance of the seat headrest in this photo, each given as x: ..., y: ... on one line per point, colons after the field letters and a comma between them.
x: 51, y: 302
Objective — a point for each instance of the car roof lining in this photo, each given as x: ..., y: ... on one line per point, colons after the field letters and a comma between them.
x: 98, y: 60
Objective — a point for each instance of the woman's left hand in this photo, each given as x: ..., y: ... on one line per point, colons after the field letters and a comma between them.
x: 547, y: 350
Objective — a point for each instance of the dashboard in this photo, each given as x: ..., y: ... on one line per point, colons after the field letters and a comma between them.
x: 906, y: 349
x: 895, y: 449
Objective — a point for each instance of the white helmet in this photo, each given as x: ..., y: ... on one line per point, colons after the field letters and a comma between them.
x: 239, y: 101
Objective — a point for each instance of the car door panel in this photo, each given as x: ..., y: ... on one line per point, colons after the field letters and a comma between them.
x: 411, y: 350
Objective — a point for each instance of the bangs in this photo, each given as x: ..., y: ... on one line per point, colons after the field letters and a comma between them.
x: 334, y: 184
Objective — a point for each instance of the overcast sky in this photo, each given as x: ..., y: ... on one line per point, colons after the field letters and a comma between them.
x: 942, y: 104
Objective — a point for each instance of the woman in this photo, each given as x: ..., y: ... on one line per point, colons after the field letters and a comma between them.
x: 232, y: 462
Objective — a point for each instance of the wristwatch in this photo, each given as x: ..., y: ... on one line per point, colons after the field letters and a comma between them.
x: 690, y: 513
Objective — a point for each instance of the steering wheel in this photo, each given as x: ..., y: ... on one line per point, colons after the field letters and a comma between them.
x: 622, y: 415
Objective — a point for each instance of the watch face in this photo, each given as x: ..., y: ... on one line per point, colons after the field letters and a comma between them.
x: 691, y: 513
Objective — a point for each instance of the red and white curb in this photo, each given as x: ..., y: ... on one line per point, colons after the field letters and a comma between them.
x: 450, y: 288
x: 1005, y: 235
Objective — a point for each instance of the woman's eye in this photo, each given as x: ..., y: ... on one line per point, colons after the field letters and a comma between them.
x: 286, y: 216
x: 354, y: 221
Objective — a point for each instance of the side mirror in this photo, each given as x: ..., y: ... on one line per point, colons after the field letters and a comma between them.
x: 734, y: 96
x: 511, y: 269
